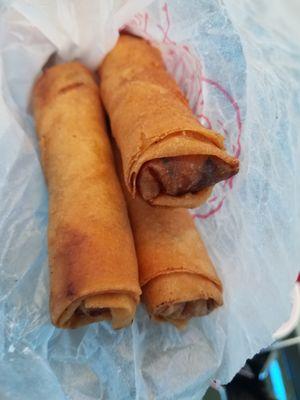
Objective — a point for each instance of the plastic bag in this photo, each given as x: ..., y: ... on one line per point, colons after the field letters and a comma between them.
x: 239, y: 67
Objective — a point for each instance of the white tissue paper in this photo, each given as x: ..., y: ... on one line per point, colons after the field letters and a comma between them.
x: 239, y: 65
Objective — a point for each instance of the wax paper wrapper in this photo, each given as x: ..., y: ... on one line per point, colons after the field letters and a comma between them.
x: 239, y: 65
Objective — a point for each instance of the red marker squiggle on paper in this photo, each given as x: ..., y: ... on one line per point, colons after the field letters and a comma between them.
x: 165, y: 29
x: 217, y: 202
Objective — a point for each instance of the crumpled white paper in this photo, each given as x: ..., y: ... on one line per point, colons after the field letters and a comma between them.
x: 239, y: 65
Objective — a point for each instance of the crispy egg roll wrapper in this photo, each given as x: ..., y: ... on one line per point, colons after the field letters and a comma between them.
x: 155, y: 129
x: 93, y: 266
x: 177, y: 277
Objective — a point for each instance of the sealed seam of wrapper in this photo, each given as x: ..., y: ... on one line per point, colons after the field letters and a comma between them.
x: 238, y: 65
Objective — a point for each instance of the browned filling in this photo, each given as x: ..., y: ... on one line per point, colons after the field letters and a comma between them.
x: 185, y: 310
x: 91, y: 312
x: 176, y: 176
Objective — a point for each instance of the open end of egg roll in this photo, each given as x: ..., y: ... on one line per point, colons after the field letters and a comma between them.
x: 178, y: 297
x: 176, y: 176
x: 156, y: 132
x: 118, y: 308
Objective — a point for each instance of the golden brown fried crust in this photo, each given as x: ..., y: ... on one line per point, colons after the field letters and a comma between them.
x: 177, y: 277
x: 91, y: 251
x: 151, y: 120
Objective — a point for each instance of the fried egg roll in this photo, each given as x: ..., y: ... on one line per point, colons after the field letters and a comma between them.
x: 177, y: 277
x: 168, y: 157
x: 93, y: 266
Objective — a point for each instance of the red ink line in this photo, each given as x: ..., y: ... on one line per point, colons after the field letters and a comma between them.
x: 162, y: 30
x: 202, y: 116
x: 146, y: 22
x: 191, y: 83
x: 199, y: 94
x: 165, y: 32
x: 211, y: 211
x: 165, y: 9
x: 224, y: 130
x: 181, y: 80
x: 166, y: 39
x: 236, y: 108
x: 199, y: 66
x: 236, y: 150
x: 186, y: 48
x: 214, y: 198
x: 226, y: 94
x: 177, y: 65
